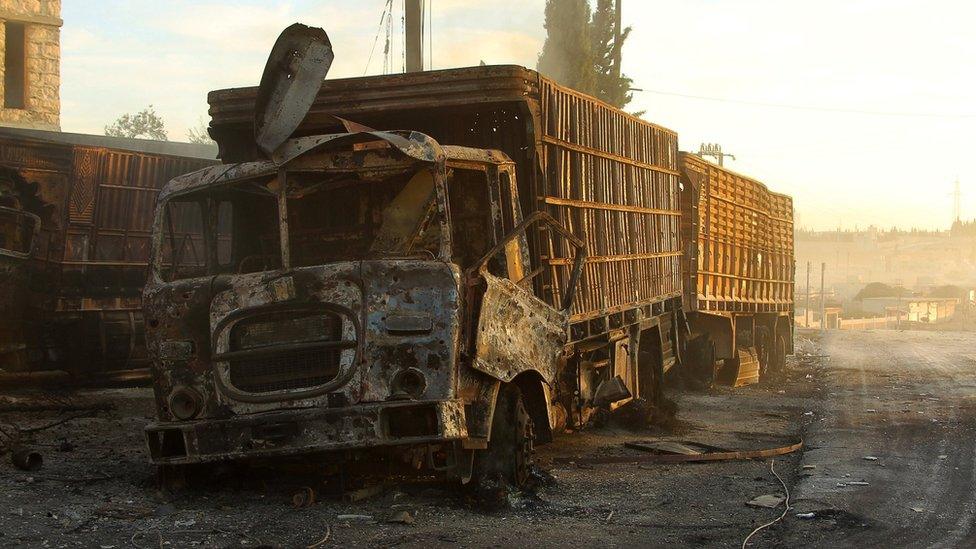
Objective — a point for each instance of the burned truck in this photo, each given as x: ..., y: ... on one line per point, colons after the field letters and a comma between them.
x: 496, y: 262
x: 18, y: 234
x: 738, y: 271
x: 92, y: 197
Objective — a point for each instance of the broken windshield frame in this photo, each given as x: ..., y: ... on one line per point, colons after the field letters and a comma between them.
x: 389, y: 209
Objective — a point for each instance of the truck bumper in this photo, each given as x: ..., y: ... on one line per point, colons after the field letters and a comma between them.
x: 305, y: 431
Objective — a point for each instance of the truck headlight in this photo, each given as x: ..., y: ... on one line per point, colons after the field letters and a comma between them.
x: 409, y: 383
x: 185, y: 403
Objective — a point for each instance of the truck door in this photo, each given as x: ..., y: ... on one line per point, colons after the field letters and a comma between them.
x: 517, y: 331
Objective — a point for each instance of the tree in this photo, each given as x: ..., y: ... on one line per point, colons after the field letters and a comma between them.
x: 567, y: 55
x: 199, y: 135
x: 609, y: 87
x: 146, y: 124
x: 949, y: 291
x: 880, y: 289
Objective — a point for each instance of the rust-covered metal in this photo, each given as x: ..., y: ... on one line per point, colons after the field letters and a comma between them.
x: 740, y: 237
x: 738, y: 268
x: 368, y: 343
x: 296, y: 66
x: 497, y: 237
x: 94, y: 197
x: 607, y: 176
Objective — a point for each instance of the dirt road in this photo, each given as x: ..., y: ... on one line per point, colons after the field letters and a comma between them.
x: 900, y: 416
x: 96, y: 489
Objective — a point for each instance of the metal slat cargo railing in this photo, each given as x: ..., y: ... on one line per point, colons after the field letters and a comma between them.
x: 612, y: 179
x: 744, y: 242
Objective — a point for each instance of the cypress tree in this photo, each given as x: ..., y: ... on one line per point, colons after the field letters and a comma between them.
x: 567, y: 54
x: 608, y: 87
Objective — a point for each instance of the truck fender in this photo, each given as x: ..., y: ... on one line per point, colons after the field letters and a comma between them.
x: 536, y: 395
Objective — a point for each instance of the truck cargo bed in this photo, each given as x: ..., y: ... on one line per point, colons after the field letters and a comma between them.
x: 740, y: 234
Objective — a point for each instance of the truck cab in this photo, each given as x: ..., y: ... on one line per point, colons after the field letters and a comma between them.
x: 356, y: 291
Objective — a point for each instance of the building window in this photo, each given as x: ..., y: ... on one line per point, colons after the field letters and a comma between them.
x: 15, y: 66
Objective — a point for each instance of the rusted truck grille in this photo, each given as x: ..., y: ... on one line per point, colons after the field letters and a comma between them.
x: 299, y: 369
x: 285, y: 351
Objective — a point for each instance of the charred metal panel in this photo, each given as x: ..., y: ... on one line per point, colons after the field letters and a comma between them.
x: 421, y: 293
x: 302, y: 431
x: 517, y: 332
x: 298, y: 63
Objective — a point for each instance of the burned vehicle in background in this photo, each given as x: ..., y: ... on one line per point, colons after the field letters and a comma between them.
x: 78, y: 312
x: 18, y: 233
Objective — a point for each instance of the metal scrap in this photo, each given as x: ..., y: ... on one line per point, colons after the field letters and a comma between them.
x: 26, y: 459
x: 678, y: 458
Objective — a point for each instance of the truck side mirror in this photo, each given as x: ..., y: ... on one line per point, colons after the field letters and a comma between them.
x: 542, y: 217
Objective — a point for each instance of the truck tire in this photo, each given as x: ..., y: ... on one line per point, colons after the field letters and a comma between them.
x: 778, y: 354
x: 508, y: 460
x: 764, y: 351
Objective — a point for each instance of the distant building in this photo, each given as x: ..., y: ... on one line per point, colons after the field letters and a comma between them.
x: 912, y: 309
x: 30, y: 64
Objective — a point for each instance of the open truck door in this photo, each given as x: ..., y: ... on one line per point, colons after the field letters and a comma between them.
x: 517, y: 331
x: 518, y: 337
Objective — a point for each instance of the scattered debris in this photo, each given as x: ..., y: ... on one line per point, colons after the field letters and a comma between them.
x: 786, y: 510
x: 305, y: 497
x: 26, y: 459
x: 400, y: 517
x: 664, y: 447
x: 325, y: 538
x: 766, y: 501
x: 680, y: 458
x: 65, y: 419
x: 365, y: 493
x: 362, y: 518
x: 48, y: 403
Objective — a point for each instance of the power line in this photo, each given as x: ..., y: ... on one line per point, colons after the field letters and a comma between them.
x: 804, y: 107
x: 379, y: 30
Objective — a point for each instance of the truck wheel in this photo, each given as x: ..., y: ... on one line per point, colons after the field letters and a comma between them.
x: 764, y: 352
x: 508, y: 459
x: 779, y: 354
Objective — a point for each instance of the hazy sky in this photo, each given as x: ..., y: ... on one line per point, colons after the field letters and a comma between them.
x: 843, y: 168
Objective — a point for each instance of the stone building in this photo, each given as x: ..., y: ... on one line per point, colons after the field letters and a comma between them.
x: 30, y: 64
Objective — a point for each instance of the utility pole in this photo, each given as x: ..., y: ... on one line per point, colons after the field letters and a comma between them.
x: 413, y: 15
x: 616, y: 40
x: 806, y: 320
x: 823, y: 271
x: 715, y: 150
